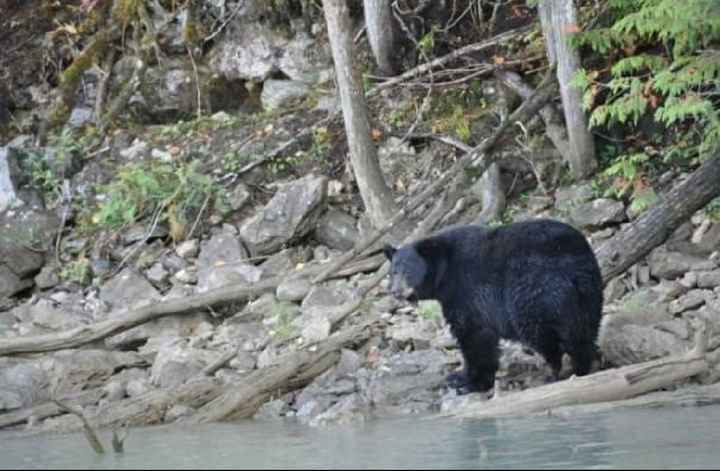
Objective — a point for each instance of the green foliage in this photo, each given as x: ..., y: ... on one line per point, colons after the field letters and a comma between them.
x: 233, y: 161
x: 77, y: 271
x: 46, y: 169
x: 283, y: 316
x: 175, y: 192
x: 430, y: 310
x: 426, y: 45
x: 713, y: 209
x: 665, y: 63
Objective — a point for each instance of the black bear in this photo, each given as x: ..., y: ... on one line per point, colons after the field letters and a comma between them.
x: 537, y: 282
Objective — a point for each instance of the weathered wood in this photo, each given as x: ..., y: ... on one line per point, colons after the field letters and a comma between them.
x: 552, y: 118
x: 690, y: 395
x: 85, y: 334
x: 377, y: 197
x: 659, y: 222
x: 493, y: 195
x: 294, y: 370
x: 448, y: 58
x: 559, y: 21
x: 609, y: 385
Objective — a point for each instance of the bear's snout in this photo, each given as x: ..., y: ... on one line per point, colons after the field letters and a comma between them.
x: 400, y: 290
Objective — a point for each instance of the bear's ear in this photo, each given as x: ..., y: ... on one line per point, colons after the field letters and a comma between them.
x: 436, y: 254
x: 389, y: 251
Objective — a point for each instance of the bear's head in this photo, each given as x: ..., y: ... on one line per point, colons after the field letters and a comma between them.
x: 417, y: 269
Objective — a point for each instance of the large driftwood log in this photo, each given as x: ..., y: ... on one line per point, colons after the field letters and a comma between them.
x: 658, y: 223
x: 295, y: 370
x: 604, y: 386
x: 85, y: 334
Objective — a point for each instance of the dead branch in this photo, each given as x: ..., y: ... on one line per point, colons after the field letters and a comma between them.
x: 609, y: 385
x: 554, y: 127
x: 88, y: 430
x: 446, y: 59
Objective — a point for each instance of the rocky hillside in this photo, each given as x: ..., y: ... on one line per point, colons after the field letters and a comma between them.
x: 102, y: 225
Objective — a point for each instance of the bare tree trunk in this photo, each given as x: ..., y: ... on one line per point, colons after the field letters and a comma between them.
x: 658, y: 223
x: 376, y: 195
x: 381, y: 34
x: 558, y: 19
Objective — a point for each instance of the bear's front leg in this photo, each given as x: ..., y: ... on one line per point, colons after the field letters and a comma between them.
x: 481, y: 356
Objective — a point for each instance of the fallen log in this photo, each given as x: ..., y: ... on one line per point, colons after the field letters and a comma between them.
x: 688, y: 396
x: 604, y: 386
x: 659, y: 222
x: 90, y: 333
x: 295, y: 370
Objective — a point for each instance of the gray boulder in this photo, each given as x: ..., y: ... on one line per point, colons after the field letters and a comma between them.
x: 290, y: 214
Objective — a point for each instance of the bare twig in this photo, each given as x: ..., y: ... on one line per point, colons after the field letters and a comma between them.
x: 197, y: 81
x: 89, y: 432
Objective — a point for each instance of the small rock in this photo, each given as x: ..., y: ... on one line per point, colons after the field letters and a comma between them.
x: 161, y: 155
x: 188, y: 249
x: 187, y: 276
x: 114, y: 390
x: 157, y: 274
x: 293, y: 289
x: 268, y: 357
x: 279, y: 93
x: 239, y: 196
x: 567, y: 198
x: 47, y: 278
x: 708, y: 279
x: 127, y: 290
x: 692, y: 300
x: 689, y: 279
x: 337, y: 230
x: 598, y: 213
x: 670, y: 265
x: 316, y: 329
x: 137, y: 150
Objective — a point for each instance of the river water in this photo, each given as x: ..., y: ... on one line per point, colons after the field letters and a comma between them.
x: 672, y: 437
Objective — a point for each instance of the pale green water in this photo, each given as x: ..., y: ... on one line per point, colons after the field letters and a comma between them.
x: 641, y: 438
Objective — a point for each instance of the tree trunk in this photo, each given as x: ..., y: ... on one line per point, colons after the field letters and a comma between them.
x: 381, y: 34
x: 376, y: 195
x: 558, y: 19
x: 659, y: 222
